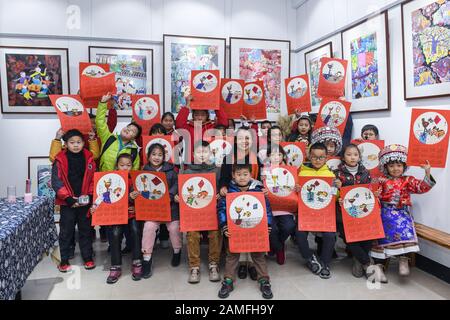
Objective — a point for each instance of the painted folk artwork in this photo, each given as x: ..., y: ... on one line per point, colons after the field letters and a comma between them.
x: 184, y: 59
x: 364, y: 64
x: 263, y: 65
x: 431, y: 44
x: 314, y: 76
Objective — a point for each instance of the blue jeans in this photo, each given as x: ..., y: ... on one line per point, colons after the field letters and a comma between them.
x: 282, y: 228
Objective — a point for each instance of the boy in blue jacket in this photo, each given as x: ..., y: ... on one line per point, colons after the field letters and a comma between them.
x: 242, y: 182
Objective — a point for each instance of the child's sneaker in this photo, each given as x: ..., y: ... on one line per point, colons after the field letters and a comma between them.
x: 266, y: 289
x: 64, y: 267
x: 242, y: 271
x: 314, y: 265
x: 357, y: 269
x: 227, y: 287
x: 194, y: 275
x: 281, y: 257
x: 147, y: 269
x: 114, y: 275
x: 325, y: 273
x: 176, y: 258
x: 136, y: 271
x: 89, y: 265
x: 214, y: 275
x: 253, y: 273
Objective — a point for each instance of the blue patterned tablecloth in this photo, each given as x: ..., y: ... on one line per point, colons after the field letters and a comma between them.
x: 27, y: 231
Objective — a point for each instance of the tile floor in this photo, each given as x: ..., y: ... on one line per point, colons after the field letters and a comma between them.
x: 291, y: 282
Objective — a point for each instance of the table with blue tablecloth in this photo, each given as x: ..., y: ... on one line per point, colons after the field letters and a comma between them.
x: 27, y: 231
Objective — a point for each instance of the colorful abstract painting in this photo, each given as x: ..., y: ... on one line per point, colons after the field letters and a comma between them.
x: 184, y: 59
x: 44, y: 181
x: 364, y: 64
x: 31, y: 78
x: 431, y: 44
x: 264, y: 65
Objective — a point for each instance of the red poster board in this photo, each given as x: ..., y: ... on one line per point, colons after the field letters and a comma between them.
x: 298, y: 95
x: 247, y: 222
x: 295, y: 152
x: 332, y: 77
x: 370, y: 150
x: 166, y: 142
x: 96, y: 81
x: 428, y: 137
x: 220, y: 148
x: 153, y: 202
x: 361, y: 214
x: 198, y: 202
x: 110, y: 198
x: 317, y: 205
x: 281, y: 182
x: 71, y: 113
x: 231, y: 99
x: 255, y: 101
x: 205, y: 89
x: 333, y: 113
x: 146, y: 110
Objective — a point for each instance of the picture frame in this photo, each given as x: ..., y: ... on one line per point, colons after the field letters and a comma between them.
x: 312, y: 68
x: 366, y: 47
x: 182, y: 54
x: 425, y: 55
x: 249, y: 57
x: 135, y: 78
x: 28, y: 75
x: 40, y: 172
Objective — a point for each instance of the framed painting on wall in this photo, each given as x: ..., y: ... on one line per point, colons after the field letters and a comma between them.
x: 366, y: 47
x: 263, y: 60
x: 28, y: 75
x: 312, y: 68
x: 40, y: 174
x: 426, y: 48
x: 134, y: 73
x: 182, y: 54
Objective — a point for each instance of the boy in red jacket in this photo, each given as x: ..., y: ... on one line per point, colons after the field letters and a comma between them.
x: 73, y: 182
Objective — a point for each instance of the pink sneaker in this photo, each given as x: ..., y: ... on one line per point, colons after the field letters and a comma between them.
x: 114, y: 275
x: 136, y: 271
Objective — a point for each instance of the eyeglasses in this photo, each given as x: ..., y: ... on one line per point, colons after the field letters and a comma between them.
x: 318, y: 158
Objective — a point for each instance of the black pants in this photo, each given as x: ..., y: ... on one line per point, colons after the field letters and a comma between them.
x: 71, y: 217
x: 360, y: 250
x: 116, y: 233
x: 329, y: 239
x: 282, y: 228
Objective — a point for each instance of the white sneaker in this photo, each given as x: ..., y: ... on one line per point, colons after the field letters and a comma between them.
x: 194, y: 275
x: 214, y: 275
x: 403, y: 266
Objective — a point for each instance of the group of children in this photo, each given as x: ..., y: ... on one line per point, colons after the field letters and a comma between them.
x: 244, y: 170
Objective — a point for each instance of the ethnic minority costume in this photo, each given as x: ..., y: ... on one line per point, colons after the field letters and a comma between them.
x: 395, y: 197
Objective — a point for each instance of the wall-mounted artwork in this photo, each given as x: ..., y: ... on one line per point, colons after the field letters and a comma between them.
x: 40, y: 174
x: 313, y: 67
x: 263, y: 60
x: 426, y: 47
x: 29, y: 75
x: 134, y: 73
x: 182, y: 54
x: 366, y: 47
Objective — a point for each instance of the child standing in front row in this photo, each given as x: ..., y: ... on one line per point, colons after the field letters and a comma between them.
x: 125, y: 163
x: 73, y: 181
x: 395, y: 196
x: 351, y: 172
x: 156, y: 163
x: 242, y: 182
x: 202, y: 164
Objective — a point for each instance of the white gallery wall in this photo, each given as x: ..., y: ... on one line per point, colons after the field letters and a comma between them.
x: 147, y: 20
x: 317, y: 19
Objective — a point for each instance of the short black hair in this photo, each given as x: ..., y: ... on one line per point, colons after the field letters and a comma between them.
x: 246, y: 166
x: 266, y: 122
x: 124, y: 156
x: 203, y: 143
x: 72, y: 133
x: 369, y: 127
x: 318, y: 146
x: 351, y: 145
x: 158, y: 128
x: 168, y: 114
x: 156, y: 146
x: 220, y: 127
x: 138, y: 127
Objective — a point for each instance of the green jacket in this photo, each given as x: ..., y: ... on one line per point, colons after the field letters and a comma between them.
x: 109, y: 156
